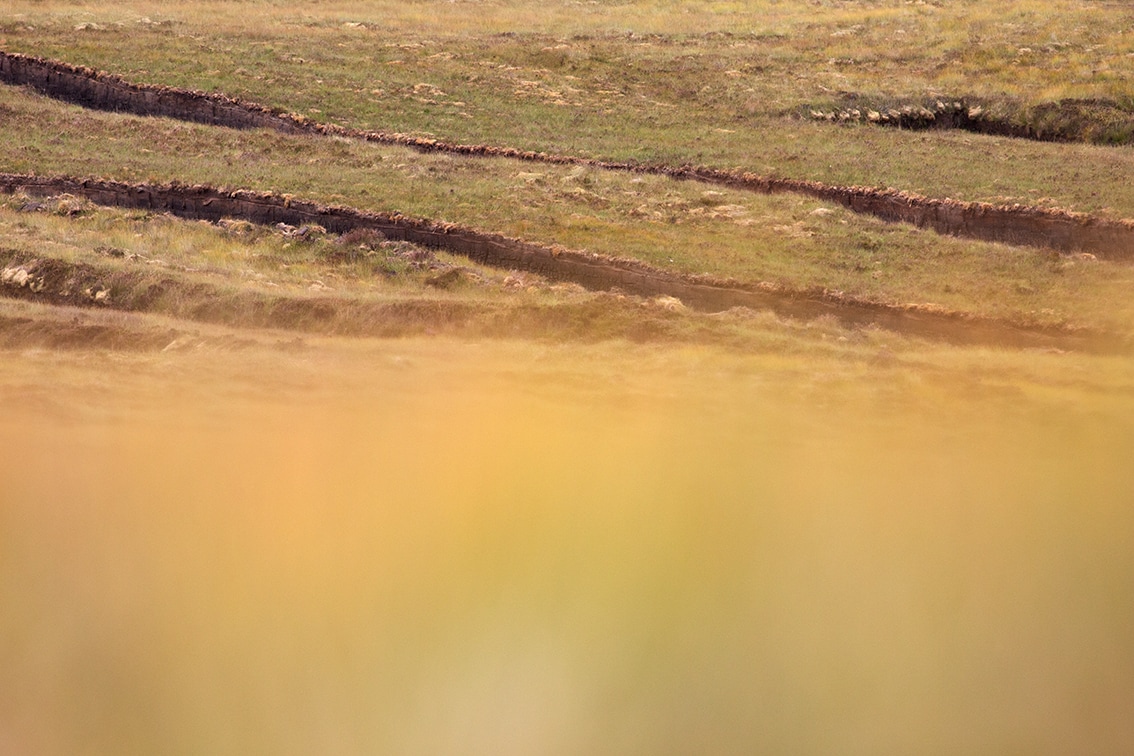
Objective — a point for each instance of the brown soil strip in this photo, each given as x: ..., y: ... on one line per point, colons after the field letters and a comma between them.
x: 1061, y: 230
x: 593, y: 271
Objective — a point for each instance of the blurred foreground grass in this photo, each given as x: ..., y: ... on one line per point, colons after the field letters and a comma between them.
x: 436, y: 546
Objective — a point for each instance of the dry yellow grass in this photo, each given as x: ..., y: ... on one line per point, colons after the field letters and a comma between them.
x: 446, y: 547
x: 809, y: 540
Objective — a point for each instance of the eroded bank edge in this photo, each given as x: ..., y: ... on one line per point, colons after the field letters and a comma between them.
x: 1061, y: 230
x: 1070, y: 120
x: 596, y: 272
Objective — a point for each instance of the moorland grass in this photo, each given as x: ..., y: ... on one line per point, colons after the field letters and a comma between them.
x: 608, y: 86
x: 245, y: 276
x: 813, y: 540
x: 791, y: 241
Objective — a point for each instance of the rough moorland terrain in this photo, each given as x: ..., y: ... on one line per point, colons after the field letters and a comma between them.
x: 621, y: 376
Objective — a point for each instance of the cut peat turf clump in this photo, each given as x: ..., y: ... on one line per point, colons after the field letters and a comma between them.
x: 47, y: 281
x: 1060, y: 230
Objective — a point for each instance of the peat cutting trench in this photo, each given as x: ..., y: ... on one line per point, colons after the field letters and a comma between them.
x: 1069, y: 120
x: 587, y: 269
x: 1060, y: 230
